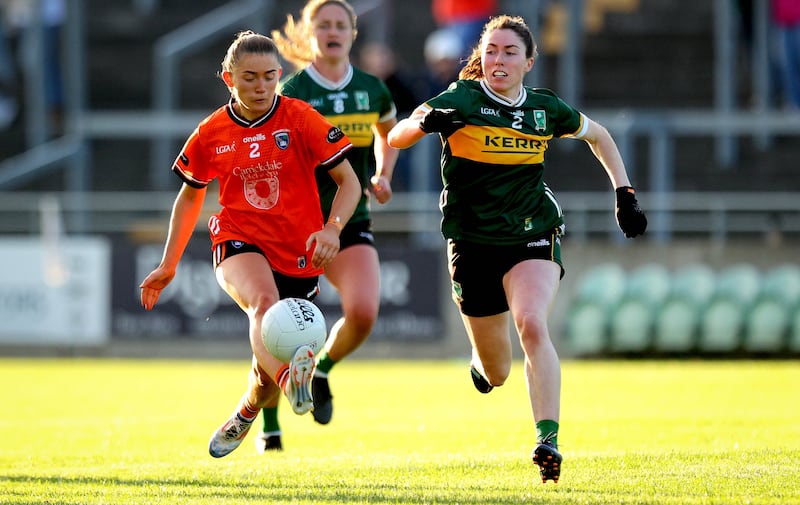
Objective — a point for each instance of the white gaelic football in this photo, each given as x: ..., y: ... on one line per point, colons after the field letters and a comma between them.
x: 290, y: 323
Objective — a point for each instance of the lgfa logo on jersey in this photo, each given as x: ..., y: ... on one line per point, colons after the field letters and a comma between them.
x: 281, y: 139
x: 229, y: 148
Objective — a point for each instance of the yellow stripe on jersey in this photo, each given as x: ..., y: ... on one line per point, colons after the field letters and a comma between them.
x: 500, y: 146
x: 357, y: 127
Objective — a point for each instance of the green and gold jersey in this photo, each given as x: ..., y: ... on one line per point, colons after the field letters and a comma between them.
x: 492, y: 169
x: 354, y: 104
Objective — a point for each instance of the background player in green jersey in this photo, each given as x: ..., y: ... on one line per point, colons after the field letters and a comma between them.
x: 501, y: 221
x: 361, y: 106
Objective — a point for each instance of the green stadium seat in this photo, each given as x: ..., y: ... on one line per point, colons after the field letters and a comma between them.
x: 603, y: 284
x: 649, y: 283
x: 723, y: 321
x: 597, y: 292
x: 695, y: 283
x: 767, y: 326
x: 741, y: 283
x: 631, y: 326
x: 678, y: 319
x: 793, y: 345
x: 721, y: 326
x: 632, y: 322
x: 587, y: 329
x: 675, y: 326
x: 783, y: 283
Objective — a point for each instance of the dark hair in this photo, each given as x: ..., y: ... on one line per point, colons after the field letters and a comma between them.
x: 247, y: 42
x: 473, y: 70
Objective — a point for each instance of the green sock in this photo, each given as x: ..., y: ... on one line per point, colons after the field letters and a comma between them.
x: 324, y: 362
x: 270, y: 420
x: 547, y: 429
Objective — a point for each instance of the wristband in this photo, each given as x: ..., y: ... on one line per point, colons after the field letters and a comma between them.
x: 337, y: 222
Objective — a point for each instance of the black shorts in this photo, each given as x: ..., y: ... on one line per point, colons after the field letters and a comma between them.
x: 359, y: 232
x: 288, y: 287
x: 477, y: 270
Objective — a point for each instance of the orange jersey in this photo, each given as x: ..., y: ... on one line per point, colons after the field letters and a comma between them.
x: 265, y: 170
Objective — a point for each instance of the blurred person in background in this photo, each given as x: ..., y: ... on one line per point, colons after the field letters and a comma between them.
x: 19, y: 17
x: 379, y: 59
x: 8, y: 78
x: 269, y: 241
x: 360, y: 104
x: 465, y: 18
x: 786, y: 15
x: 495, y: 204
x: 443, y: 60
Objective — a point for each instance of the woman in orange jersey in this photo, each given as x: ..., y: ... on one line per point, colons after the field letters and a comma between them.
x: 269, y: 239
x: 360, y: 104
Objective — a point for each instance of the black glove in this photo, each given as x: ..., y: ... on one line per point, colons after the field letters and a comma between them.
x: 442, y: 121
x: 630, y: 218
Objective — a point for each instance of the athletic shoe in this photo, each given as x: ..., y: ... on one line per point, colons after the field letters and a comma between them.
x: 229, y: 436
x: 301, y: 368
x: 323, y: 400
x: 268, y: 442
x: 547, y: 457
x: 481, y: 384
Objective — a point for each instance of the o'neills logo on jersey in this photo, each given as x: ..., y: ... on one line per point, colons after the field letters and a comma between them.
x: 254, y: 138
x: 281, y: 139
x: 335, y: 135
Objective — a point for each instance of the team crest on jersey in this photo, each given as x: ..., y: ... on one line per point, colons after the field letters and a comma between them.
x: 281, y: 139
x: 362, y: 100
x: 540, y: 118
x: 262, y: 193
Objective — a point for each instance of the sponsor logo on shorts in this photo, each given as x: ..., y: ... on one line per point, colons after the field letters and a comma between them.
x: 543, y: 242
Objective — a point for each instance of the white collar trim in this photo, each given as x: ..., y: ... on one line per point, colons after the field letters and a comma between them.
x: 516, y: 102
x: 327, y: 83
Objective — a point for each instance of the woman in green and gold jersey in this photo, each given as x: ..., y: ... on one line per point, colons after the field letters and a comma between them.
x: 502, y: 223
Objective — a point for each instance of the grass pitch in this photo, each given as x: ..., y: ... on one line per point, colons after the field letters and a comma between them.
x: 84, y: 431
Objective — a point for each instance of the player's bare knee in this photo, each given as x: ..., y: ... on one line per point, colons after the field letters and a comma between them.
x: 261, y: 304
x: 532, y: 330
x: 497, y: 376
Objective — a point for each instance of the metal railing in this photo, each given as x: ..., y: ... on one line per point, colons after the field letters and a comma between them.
x: 715, y: 217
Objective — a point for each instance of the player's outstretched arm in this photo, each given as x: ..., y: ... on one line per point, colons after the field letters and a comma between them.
x: 185, y: 212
